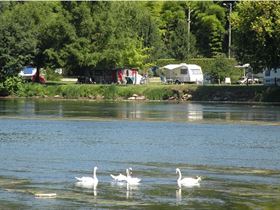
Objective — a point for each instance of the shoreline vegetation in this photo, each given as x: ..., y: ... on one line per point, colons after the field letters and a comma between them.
x: 150, y: 92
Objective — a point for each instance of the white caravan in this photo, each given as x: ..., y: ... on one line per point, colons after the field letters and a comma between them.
x: 183, y: 73
x: 271, y: 77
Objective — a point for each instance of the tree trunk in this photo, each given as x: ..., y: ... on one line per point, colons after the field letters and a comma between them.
x: 37, y: 76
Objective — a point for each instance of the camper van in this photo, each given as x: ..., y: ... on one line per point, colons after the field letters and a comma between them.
x: 183, y: 73
x: 271, y: 77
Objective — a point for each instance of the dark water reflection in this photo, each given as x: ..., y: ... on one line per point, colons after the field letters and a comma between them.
x: 140, y: 110
x: 45, y: 144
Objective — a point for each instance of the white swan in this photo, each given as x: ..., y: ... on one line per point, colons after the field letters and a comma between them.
x: 88, y: 181
x: 131, y: 180
x: 120, y: 177
x: 188, y: 181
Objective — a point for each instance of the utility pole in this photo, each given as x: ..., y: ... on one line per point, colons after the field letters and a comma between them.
x: 229, y: 5
x: 189, y: 29
x: 229, y: 30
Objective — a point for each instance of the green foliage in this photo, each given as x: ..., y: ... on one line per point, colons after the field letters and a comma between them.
x: 153, y: 92
x: 218, y: 68
x: 209, y: 26
x: 179, y: 42
x: 3, y: 90
x: 79, y: 57
x: 51, y: 75
x: 256, y: 33
x: 17, y: 39
x: 158, y: 93
x: 124, y: 51
x: 34, y: 89
x: 271, y: 94
x: 163, y: 62
x: 110, y: 92
x: 56, y: 34
x: 70, y: 91
x: 82, y: 36
x: 13, y: 85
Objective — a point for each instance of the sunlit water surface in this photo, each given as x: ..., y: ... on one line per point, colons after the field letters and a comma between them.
x: 45, y: 144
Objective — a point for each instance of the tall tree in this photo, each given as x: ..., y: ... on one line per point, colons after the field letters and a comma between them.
x: 256, y: 28
x: 175, y: 31
x: 209, y: 26
x: 18, y: 38
x: 127, y: 42
x: 179, y: 42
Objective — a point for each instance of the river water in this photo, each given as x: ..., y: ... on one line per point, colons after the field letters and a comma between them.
x: 45, y: 144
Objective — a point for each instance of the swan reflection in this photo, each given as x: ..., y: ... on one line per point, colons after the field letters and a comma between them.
x: 118, y: 184
x: 85, y: 185
x: 178, y: 196
x: 130, y: 189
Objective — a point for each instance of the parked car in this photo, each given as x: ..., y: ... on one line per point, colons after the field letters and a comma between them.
x: 244, y: 80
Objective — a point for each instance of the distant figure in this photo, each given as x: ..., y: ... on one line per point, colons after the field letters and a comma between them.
x: 163, y: 79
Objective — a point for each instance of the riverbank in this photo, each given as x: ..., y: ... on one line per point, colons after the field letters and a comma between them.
x: 186, y: 92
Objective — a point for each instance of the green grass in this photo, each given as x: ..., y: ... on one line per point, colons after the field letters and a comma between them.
x: 254, y: 93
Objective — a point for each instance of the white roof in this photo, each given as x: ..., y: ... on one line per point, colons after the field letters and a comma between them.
x: 175, y: 66
x: 27, y: 72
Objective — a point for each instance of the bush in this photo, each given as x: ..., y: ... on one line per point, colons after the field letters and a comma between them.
x: 13, y: 85
x: 158, y: 93
x: 110, y: 92
x: 3, y: 91
x: 218, y: 68
x: 34, y: 89
x: 164, y: 62
x: 52, y: 76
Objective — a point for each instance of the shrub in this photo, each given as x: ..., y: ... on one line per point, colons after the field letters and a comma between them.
x: 110, y: 92
x: 35, y: 89
x: 3, y: 91
x: 158, y: 93
x: 13, y: 85
x: 52, y: 76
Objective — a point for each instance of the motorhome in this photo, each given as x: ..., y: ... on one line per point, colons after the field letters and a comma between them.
x: 183, y: 73
x: 271, y: 77
x: 28, y: 72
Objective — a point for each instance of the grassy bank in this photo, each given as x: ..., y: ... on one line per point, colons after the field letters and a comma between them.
x: 154, y: 92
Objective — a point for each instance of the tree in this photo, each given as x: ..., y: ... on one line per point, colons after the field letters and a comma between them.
x: 171, y: 14
x: 256, y: 29
x: 55, y: 34
x: 18, y: 39
x: 209, y: 26
x: 82, y: 36
x: 30, y: 34
x: 128, y: 35
x: 220, y: 68
x: 179, y: 42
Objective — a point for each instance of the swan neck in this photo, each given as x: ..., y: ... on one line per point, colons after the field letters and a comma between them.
x: 94, y: 173
x: 127, y: 173
x: 180, y: 175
